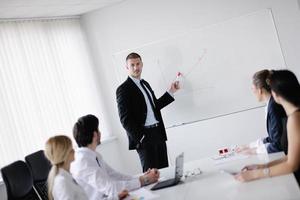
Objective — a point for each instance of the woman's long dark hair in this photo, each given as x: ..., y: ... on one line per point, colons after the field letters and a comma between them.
x: 285, y: 84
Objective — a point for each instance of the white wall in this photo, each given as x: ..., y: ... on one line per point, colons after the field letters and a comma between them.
x: 109, y: 150
x: 137, y: 22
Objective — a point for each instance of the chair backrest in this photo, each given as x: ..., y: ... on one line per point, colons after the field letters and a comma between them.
x: 18, y: 180
x: 40, y: 167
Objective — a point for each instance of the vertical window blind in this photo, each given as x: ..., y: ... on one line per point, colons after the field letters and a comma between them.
x: 47, y: 81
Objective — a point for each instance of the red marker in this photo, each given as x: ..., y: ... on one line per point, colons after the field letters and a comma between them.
x: 179, y: 77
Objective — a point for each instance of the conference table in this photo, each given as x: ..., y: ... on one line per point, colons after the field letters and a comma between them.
x: 213, y: 183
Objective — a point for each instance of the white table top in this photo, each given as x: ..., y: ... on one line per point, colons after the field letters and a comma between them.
x: 212, y: 184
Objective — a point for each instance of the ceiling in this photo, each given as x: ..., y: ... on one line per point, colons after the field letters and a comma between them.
x: 15, y: 9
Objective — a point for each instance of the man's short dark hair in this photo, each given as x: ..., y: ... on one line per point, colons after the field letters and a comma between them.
x: 83, y: 130
x: 133, y: 56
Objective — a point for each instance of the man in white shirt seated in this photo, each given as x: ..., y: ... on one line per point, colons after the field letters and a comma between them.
x: 91, y: 169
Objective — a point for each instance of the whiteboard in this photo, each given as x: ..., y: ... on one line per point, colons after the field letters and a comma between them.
x: 217, y: 63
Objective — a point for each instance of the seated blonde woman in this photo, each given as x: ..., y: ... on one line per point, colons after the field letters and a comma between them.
x: 61, y: 185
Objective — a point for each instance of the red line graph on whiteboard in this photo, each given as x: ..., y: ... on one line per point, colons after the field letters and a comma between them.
x: 196, y: 64
x: 185, y: 74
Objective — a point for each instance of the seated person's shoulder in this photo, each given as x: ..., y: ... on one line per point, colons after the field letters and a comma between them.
x: 277, y: 109
x: 294, y: 124
x: 61, y: 183
x: 295, y: 118
x: 85, y: 162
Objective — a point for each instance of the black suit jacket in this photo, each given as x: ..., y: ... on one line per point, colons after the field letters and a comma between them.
x: 276, y: 127
x: 132, y: 110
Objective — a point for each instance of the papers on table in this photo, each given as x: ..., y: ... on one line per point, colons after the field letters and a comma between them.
x: 229, y: 157
x: 141, y: 194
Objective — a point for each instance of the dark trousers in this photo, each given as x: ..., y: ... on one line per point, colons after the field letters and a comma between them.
x: 153, y: 150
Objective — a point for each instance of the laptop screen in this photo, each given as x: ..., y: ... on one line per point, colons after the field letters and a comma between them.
x: 179, y: 166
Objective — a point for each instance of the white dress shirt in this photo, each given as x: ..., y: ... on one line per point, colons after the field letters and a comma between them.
x: 101, y: 177
x: 65, y: 188
x: 150, y: 118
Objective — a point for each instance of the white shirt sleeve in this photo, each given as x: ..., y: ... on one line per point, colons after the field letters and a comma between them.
x: 260, y: 146
x: 99, y: 176
x: 114, y: 174
x: 106, y: 180
x: 118, y: 180
x: 256, y: 143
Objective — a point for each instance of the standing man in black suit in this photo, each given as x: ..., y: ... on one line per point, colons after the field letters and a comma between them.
x: 139, y: 112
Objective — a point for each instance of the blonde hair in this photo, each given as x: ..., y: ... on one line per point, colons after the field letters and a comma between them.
x: 57, y: 150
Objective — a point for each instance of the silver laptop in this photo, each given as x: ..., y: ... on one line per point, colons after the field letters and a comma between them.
x: 178, y: 174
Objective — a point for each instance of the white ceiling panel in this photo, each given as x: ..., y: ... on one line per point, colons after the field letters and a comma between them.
x: 15, y: 9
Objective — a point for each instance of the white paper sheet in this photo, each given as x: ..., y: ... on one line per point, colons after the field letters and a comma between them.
x: 141, y: 194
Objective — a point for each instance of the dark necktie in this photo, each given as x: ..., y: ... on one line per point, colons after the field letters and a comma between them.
x: 98, y: 162
x: 147, y: 93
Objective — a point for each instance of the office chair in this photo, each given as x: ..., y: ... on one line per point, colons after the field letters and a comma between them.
x: 40, y: 167
x: 18, y: 181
